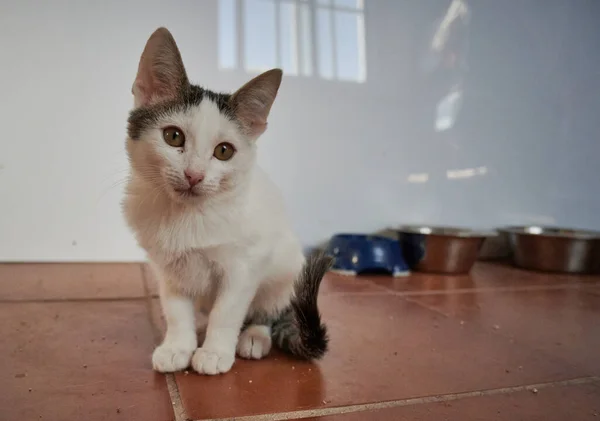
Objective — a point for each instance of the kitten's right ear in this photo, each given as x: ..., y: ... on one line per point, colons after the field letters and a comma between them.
x: 161, y: 74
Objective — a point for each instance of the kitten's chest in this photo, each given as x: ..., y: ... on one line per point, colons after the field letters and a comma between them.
x: 193, y: 230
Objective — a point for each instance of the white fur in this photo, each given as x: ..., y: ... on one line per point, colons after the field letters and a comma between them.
x: 255, y: 342
x: 227, y: 252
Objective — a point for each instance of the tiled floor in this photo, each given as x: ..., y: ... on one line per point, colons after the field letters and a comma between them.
x: 502, y: 344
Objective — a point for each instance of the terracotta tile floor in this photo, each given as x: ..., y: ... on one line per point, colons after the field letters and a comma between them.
x: 501, y: 344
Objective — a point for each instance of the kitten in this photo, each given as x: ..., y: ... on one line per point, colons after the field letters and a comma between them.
x: 212, y: 223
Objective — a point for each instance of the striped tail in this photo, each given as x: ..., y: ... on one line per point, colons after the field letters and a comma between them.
x: 298, y: 330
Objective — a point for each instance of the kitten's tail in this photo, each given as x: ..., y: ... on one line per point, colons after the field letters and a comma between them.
x: 299, y: 330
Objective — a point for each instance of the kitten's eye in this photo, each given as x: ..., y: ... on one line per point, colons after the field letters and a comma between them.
x: 174, y: 136
x: 224, y: 151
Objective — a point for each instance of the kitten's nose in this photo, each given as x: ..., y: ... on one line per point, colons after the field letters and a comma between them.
x: 193, y: 177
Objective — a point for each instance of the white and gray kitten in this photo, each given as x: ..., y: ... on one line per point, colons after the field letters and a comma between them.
x: 212, y: 223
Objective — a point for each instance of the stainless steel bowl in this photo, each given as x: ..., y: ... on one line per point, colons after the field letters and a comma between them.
x: 449, y: 250
x: 554, y: 249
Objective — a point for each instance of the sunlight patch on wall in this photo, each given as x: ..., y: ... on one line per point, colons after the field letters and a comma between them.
x: 465, y: 173
x: 311, y: 38
x: 418, y: 178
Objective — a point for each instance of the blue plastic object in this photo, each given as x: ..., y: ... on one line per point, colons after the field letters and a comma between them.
x: 358, y: 253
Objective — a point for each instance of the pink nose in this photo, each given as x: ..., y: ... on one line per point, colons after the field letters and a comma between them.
x: 193, y: 177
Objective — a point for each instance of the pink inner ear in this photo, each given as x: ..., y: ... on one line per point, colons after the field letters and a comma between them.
x: 147, y: 91
x: 141, y: 93
x: 253, y: 120
x: 161, y: 74
x: 257, y: 128
x: 252, y: 102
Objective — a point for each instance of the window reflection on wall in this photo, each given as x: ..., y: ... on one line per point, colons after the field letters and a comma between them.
x: 446, y: 61
x: 313, y: 38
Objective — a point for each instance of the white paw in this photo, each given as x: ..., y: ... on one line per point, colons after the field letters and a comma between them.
x: 254, y: 342
x: 212, y: 362
x: 170, y: 357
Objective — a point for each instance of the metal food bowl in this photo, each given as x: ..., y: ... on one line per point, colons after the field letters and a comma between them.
x: 449, y: 250
x: 550, y: 249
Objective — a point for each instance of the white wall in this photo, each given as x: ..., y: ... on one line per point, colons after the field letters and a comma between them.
x: 342, y: 152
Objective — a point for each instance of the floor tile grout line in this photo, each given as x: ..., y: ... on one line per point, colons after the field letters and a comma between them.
x: 73, y: 300
x: 457, y: 291
x: 487, y: 290
x: 437, y: 311
x: 176, y: 403
x: 320, y: 412
x: 172, y: 388
x: 380, y: 290
x: 386, y: 291
x: 360, y: 279
x: 148, y: 294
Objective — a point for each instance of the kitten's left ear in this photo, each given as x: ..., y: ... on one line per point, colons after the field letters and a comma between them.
x: 252, y: 102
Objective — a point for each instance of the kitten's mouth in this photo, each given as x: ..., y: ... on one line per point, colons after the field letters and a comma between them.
x: 189, y: 192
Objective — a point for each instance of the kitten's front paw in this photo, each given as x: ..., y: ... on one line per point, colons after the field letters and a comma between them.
x: 254, y: 342
x: 212, y: 362
x: 169, y: 357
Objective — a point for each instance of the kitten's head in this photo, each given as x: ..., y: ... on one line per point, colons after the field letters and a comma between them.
x: 188, y: 141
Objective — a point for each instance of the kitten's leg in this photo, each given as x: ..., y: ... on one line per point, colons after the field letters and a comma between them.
x: 225, y: 320
x: 271, y: 299
x: 180, y: 341
x: 255, y: 340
